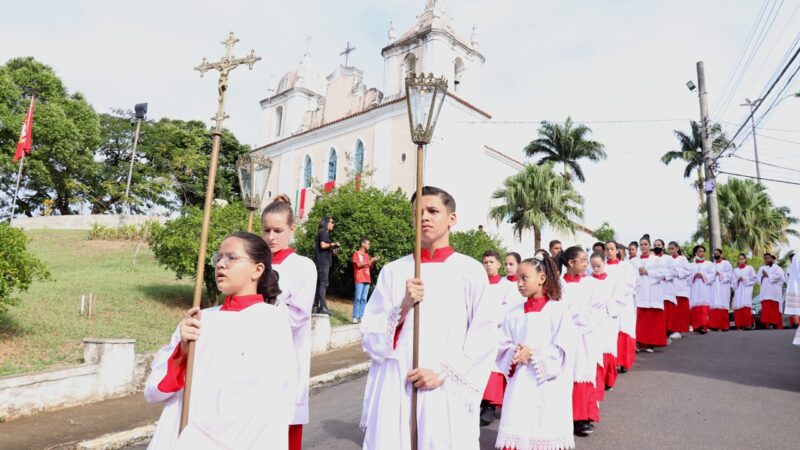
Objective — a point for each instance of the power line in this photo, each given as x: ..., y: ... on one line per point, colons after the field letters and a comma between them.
x: 774, y: 45
x: 778, y: 139
x: 529, y: 122
x: 772, y: 86
x: 735, y: 67
x: 766, y: 164
x: 764, y: 179
x: 762, y: 34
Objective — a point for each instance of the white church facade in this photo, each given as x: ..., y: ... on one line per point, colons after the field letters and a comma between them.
x: 331, y: 128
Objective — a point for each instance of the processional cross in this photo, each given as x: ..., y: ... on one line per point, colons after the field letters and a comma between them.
x: 224, y: 66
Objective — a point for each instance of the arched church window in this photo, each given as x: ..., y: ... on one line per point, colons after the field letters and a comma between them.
x: 278, y: 120
x: 458, y: 72
x: 409, y: 65
x: 332, y: 165
x: 358, y: 164
x: 307, y: 173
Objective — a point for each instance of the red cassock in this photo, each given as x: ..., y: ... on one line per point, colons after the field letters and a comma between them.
x: 771, y: 314
x: 718, y: 319
x: 681, y: 316
x: 743, y: 317
x: 651, y: 327
x: 700, y: 318
x: 626, y: 350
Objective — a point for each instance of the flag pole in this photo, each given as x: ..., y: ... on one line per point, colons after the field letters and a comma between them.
x: 16, y: 189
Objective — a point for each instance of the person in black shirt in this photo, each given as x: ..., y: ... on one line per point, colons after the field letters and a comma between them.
x: 324, y: 249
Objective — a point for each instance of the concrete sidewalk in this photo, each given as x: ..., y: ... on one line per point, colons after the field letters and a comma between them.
x: 65, y: 428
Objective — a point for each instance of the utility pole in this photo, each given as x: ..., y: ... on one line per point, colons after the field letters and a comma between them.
x: 141, y: 110
x: 752, y: 106
x: 708, y: 159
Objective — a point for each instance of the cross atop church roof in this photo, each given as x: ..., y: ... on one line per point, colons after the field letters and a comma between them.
x: 346, y: 53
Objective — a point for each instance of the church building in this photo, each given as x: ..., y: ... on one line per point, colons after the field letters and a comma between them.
x: 331, y: 129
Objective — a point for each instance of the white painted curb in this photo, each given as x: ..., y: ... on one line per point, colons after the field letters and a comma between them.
x: 119, y: 440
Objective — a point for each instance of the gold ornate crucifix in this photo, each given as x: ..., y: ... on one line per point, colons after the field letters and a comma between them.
x: 224, y: 66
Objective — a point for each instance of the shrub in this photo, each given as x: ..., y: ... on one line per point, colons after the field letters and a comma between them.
x: 141, y: 232
x: 18, y: 267
x: 475, y: 242
x: 176, y: 244
x: 384, y: 217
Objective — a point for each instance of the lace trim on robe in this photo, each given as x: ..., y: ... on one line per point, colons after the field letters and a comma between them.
x: 463, y: 389
x: 518, y: 442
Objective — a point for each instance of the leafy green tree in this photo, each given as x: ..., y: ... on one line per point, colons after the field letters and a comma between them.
x: 566, y: 144
x: 384, y: 217
x: 475, y: 242
x: 177, y: 243
x: 691, y: 153
x: 749, y: 220
x: 66, y: 132
x: 18, y: 267
x: 536, y: 197
x: 605, y: 233
x: 171, y: 168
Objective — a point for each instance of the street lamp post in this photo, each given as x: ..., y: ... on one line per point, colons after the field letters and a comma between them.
x: 254, y: 172
x: 424, y: 96
x: 140, y: 112
x: 753, y: 105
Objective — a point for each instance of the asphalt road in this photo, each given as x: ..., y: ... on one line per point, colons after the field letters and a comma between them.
x: 739, y: 389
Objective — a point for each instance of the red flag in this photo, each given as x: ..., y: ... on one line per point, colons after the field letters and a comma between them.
x: 25, y: 139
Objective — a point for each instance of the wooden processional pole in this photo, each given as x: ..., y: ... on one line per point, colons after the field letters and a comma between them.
x: 224, y: 67
x: 417, y: 275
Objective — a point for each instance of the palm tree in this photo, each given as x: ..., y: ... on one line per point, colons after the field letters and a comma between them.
x: 691, y: 153
x: 536, y: 197
x: 566, y: 144
x: 749, y: 219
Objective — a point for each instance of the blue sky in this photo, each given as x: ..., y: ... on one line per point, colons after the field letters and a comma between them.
x: 592, y: 60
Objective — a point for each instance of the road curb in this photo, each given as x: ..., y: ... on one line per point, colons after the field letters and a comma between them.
x: 338, y: 376
x: 139, y: 435
x: 114, y: 441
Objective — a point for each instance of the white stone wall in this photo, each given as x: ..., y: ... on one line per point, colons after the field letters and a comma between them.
x: 81, y: 222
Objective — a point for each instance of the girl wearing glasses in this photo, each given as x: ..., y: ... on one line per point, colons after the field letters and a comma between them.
x: 240, y: 395
x: 298, y: 280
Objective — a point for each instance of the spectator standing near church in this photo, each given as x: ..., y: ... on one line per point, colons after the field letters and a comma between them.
x: 324, y: 248
x: 362, y: 263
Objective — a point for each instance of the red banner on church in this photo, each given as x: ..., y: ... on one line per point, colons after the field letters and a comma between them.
x: 25, y: 138
x: 302, y: 209
x: 329, y: 186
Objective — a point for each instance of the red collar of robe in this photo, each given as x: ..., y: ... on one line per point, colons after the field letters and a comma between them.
x: 701, y: 261
x: 572, y: 279
x: 436, y: 255
x: 535, y: 304
x: 239, y: 303
x: 494, y: 279
x: 675, y: 256
x: 511, y: 278
x: 742, y: 266
x: 280, y: 255
x: 645, y: 256
x: 719, y: 261
x: 600, y: 276
x: 613, y: 262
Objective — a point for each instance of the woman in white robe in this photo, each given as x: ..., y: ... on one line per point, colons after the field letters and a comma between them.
x: 626, y: 277
x: 770, y: 277
x: 718, y: 312
x: 744, y: 278
x: 701, y: 289
x: 651, y: 322
x: 244, y: 367
x: 681, y: 316
x: 297, y: 280
x: 792, y: 302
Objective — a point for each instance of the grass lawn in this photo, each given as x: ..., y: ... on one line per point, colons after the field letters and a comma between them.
x: 45, y: 329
